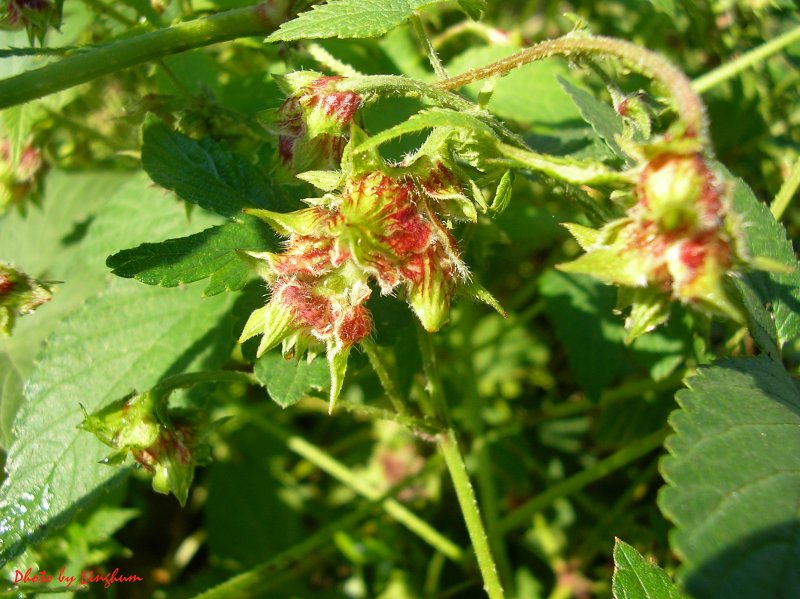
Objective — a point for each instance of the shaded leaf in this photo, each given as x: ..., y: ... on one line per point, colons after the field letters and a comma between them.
x: 288, y: 381
x: 733, y: 481
x: 764, y: 236
x: 636, y: 578
x: 208, y: 254
x: 205, y: 173
x: 348, y: 19
x: 474, y: 8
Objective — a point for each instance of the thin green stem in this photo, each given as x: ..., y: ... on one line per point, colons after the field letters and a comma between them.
x: 383, y: 375
x: 253, y: 582
x: 522, y: 515
x: 787, y: 192
x: 103, y: 60
x: 745, y: 61
x: 425, y: 40
x: 343, y: 474
x: 448, y: 447
x: 395, y: 85
x: 690, y: 107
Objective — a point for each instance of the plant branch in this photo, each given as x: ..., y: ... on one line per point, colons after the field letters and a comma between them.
x: 86, y: 66
x: 425, y: 40
x: 745, y: 61
x: 182, y: 381
x: 448, y: 447
x: 690, y: 107
x: 383, y: 375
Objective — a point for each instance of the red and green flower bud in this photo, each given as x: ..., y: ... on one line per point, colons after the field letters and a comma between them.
x: 36, y: 16
x: 680, y: 191
x: 19, y: 295
x: 313, y: 122
x: 169, y: 445
x: 18, y: 180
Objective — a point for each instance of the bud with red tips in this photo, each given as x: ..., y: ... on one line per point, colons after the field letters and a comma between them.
x: 313, y: 122
x: 168, y: 444
x: 19, y: 295
x: 36, y: 16
x: 18, y: 180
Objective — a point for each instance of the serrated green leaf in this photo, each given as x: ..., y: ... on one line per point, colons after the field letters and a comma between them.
x: 208, y: 254
x: 205, y: 173
x: 127, y: 338
x: 348, y: 19
x: 288, y: 381
x: 636, y: 578
x: 473, y: 8
x: 599, y: 115
x: 764, y: 236
x: 733, y: 481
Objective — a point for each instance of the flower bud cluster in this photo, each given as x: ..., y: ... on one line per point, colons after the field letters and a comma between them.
x: 679, y: 238
x: 168, y: 446
x: 378, y: 228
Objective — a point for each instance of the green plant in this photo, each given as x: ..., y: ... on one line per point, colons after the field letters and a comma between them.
x: 374, y: 245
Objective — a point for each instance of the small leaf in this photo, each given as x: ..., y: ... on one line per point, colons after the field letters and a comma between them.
x: 608, y: 266
x: 636, y: 578
x: 205, y: 173
x: 733, y: 481
x: 288, y: 381
x: 600, y: 116
x: 649, y: 309
x: 348, y: 19
x: 208, y: 254
x: 759, y: 322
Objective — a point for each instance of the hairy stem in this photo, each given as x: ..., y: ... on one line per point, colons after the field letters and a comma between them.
x: 448, y: 447
x: 103, y: 60
x: 690, y: 107
x: 182, y: 381
x: 745, y: 61
x: 383, y: 375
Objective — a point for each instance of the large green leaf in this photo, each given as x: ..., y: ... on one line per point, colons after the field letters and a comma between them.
x: 209, y: 254
x: 348, y: 19
x: 288, y: 381
x: 636, y: 578
x: 125, y: 339
x: 205, y: 173
x: 733, y: 477
x: 765, y: 237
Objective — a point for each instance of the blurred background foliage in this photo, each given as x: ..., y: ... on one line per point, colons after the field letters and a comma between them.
x: 541, y: 396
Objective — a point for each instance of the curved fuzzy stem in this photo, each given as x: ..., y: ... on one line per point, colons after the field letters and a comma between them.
x: 103, y: 60
x: 690, y: 107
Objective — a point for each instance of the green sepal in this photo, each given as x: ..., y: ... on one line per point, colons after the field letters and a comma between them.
x: 300, y: 222
x: 430, y: 298
x: 357, y: 160
x: 337, y: 362
x: 586, y: 237
x: 609, y: 266
x: 278, y: 324
x: 259, y: 262
x: 649, y: 309
x: 323, y: 180
x: 478, y: 292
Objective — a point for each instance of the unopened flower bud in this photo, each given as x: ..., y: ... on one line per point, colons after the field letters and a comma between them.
x: 680, y: 191
x: 19, y: 295
x: 169, y: 446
